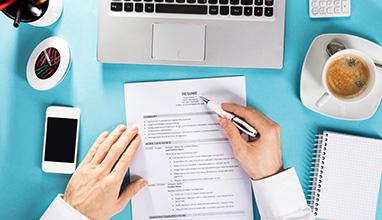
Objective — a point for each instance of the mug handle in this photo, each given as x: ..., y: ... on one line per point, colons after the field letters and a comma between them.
x: 323, y: 99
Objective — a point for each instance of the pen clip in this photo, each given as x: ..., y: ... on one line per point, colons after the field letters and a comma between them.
x: 245, y: 127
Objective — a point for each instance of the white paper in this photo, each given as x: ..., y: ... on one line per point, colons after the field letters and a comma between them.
x: 184, y: 154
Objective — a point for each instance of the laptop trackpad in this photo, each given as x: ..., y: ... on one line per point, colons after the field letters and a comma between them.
x: 178, y: 42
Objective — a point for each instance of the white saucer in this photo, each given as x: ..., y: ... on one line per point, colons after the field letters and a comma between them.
x: 312, y: 89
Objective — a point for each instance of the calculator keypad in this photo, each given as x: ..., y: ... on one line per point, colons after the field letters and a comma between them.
x: 329, y: 8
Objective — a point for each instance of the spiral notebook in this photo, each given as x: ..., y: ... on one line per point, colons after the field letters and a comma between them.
x: 346, y: 177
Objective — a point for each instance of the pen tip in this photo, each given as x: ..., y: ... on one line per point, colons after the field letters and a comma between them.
x: 204, y: 99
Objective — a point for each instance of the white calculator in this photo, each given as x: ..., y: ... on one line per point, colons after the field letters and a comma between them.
x: 329, y: 8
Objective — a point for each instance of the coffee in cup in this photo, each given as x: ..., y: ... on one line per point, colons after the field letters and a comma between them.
x: 347, y: 76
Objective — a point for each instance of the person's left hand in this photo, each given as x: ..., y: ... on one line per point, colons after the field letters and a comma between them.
x: 95, y: 187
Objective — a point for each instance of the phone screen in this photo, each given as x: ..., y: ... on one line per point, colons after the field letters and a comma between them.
x: 61, y: 138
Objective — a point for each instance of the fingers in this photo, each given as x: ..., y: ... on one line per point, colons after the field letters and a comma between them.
x: 89, y: 156
x: 104, y: 148
x: 233, y: 135
x: 131, y: 190
x: 118, y: 148
x: 252, y: 116
x: 127, y: 157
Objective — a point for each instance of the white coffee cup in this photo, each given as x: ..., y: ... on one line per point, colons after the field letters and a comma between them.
x: 370, y: 86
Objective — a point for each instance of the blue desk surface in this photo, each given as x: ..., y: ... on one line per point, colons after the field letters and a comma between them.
x: 98, y: 90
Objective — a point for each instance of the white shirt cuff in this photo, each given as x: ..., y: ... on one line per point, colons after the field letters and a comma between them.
x: 279, y: 195
x: 60, y: 210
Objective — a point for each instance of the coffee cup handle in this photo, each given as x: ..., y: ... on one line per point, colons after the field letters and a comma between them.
x: 323, y: 99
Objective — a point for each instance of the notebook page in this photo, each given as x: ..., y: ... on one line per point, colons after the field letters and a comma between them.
x: 351, y: 177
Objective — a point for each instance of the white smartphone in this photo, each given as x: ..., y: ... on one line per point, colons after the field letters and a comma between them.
x: 60, y: 139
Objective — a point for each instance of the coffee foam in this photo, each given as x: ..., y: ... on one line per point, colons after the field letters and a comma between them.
x: 348, y: 76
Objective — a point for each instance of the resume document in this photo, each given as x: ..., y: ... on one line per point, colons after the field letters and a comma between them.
x: 184, y: 155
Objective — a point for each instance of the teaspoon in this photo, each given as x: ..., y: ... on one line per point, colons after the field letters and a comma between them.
x: 335, y: 46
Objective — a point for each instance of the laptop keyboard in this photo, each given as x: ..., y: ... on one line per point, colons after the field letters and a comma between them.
x: 226, y: 8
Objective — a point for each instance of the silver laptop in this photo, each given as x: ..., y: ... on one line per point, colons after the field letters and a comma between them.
x: 228, y: 33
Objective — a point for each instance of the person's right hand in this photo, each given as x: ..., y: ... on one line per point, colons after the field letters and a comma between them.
x: 95, y: 187
x: 260, y: 158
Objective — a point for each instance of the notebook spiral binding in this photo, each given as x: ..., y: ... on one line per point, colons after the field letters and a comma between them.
x: 317, y: 171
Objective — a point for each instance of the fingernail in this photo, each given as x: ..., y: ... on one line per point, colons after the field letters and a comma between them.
x: 122, y: 127
x: 134, y: 127
x: 223, y: 122
x: 105, y: 133
x: 144, y: 182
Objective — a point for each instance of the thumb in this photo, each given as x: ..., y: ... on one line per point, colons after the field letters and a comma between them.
x: 131, y: 190
x: 232, y: 134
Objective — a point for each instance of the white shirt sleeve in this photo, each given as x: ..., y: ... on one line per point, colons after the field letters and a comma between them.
x: 280, y: 197
x: 60, y: 210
